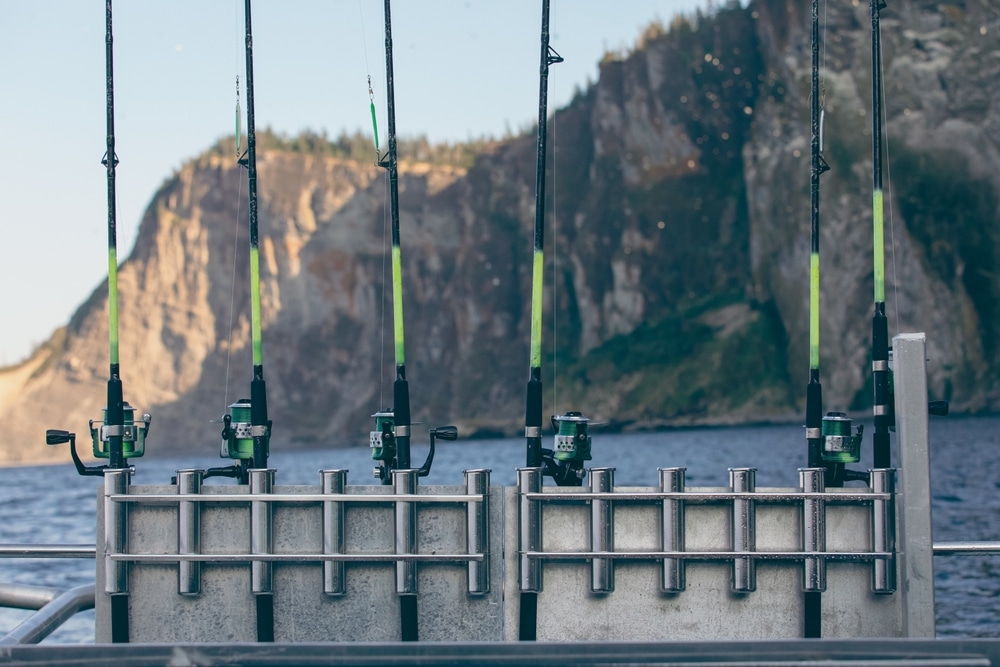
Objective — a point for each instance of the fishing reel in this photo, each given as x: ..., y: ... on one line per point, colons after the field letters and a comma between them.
x: 237, y: 432
x: 133, y: 437
x: 133, y: 434
x: 237, y: 441
x: 383, y: 445
x: 564, y: 463
x: 839, y: 444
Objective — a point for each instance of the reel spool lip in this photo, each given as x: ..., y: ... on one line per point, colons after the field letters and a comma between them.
x: 572, y: 416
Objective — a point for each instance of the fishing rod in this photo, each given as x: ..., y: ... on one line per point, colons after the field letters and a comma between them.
x: 394, y: 425
x: 115, y: 417
x: 251, y: 440
x: 814, y: 390
x: 390, y: 441
x: 119, y: 436
x: 565, y: 463
x: 884, y: 403
x: 831, y: 443
x: 818, y: 440
x: 572, y: 448
x: 880, y: 325
x: 246, y: 431
x: 400, y: 386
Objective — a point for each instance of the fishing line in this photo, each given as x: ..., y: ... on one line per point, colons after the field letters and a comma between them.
x: 888, y: 188
x: 822, y: 96
x: 555, y: 276
x: 826, y: 23
x: 236, y: 238
x: 385, y: 209
x: 364, y: 42
x: 232, y: 293
x: 237, y: 21
x: 385, y: 226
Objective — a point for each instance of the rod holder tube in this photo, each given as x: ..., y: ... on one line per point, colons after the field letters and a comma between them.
x: 189, y: 531
x: 261, y: 530
x: 602, y: 531
x: 672, y: 529
x: 116, y: 482
x: 404, y: 482
x: 333, y: 481
x: 477, y: 534
x: 813, y: 480
x: 883, y: 480
x: 743, y: 480
x: 529, y: 519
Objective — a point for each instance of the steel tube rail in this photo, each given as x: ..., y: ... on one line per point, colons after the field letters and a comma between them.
x: 24, y: 596
x: 706, y: 496
x: 43, y: 622
x: 844, y: 556
x: 87, y: 551
x: 47, y: 551
x: 962, y: 548
x: 297, y: 558
x: 293, y: 498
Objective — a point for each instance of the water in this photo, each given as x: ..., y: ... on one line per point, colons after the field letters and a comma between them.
x: 51, y: 504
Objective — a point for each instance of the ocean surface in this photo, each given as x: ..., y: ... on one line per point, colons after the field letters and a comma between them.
x: 51, y: 504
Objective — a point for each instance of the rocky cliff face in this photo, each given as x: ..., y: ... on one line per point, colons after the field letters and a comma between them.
x: 678, y: 237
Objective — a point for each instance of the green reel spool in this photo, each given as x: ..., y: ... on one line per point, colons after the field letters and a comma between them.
x: 572, y: 440
x: 133, y: 434
x: 237, y: 436
x: 383, y: 438
x: 839, y: 444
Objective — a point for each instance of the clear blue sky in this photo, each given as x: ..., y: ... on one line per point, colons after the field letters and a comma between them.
x: 463, y: 68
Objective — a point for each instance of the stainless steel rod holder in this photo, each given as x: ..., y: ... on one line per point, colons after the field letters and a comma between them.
x: 477, y: 533
x: 672, y: 529
x: 813, y: 480
x: 261, y: 530
x: 116, y: 481
x: 529, y: 519
x: 333, y: 481
x: 405, y: 483
x: 189, y: 531
x: 883, y: 523
x: 744, y: 530
x: 602, y: 531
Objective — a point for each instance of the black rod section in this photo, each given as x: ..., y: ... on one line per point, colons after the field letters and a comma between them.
x: 119, y: 619
x: 408, y: 624
x: 265, y: 617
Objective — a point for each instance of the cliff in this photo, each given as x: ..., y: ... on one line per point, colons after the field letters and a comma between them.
x: 677, y: 245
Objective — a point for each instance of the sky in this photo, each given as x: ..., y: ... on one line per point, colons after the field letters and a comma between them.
x: 463, y: 69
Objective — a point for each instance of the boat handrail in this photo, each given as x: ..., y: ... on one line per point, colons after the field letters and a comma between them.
x: 54, y: 606
x: 53, y: 614
x: 982, y: 547
x: 48, y: 551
